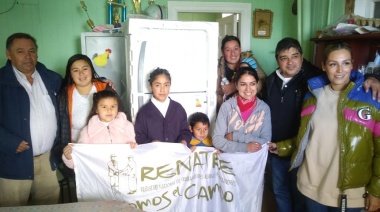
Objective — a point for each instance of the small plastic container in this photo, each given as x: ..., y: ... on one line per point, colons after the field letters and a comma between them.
x: 224, y: 81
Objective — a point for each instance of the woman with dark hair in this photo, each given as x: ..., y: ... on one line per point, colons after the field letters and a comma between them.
x: 243, y: 123
x: 75, y: 99
x: 228, y: 64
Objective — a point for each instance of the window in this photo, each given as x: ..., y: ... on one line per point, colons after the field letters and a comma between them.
x: 367, y: 8
x: 377, y: 10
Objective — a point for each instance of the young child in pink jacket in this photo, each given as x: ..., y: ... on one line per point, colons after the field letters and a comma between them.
x: 106, y: 125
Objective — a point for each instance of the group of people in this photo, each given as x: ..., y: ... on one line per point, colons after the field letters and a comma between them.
x: 41, y: 115
x: 336, y: 147
x: 322, y: 126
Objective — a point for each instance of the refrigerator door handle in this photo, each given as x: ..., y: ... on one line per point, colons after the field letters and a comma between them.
x: 140, y: 101
x: 140, y: 70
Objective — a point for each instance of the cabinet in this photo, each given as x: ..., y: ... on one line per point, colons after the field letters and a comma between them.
x: 363, y: 46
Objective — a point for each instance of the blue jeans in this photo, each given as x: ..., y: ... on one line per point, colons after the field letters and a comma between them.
x: 313, y: 206
x: 288, y: 198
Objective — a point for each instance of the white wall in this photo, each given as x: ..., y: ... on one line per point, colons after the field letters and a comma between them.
x: 365, y: 8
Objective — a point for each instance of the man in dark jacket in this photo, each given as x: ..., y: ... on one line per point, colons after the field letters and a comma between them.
x: 28, y: 126
x: 284, y: 91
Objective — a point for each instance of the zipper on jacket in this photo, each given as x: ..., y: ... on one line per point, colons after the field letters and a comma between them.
x: 343, y: 201
x: 109, y: 133
x: 342, y: 159
x: 342, y: 149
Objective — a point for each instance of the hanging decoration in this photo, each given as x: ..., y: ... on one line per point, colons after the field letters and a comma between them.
x: 89, y: 21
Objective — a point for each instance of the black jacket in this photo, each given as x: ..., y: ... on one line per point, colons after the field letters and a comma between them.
x: 285, y: 104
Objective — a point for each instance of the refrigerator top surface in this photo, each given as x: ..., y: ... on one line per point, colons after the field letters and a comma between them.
x: 132, y: 23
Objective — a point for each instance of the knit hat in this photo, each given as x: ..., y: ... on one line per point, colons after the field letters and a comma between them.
x: 250, y: 62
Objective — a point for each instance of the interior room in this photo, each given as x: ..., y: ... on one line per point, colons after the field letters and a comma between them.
x: 65, y: 28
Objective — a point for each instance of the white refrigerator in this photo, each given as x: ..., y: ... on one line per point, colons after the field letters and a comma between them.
x: 107, y: 53
x: 188, y: 50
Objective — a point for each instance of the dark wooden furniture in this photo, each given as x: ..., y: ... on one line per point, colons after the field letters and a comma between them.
x: 363, y: 46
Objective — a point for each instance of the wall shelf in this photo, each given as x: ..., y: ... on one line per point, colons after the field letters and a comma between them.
x: 364, y: 47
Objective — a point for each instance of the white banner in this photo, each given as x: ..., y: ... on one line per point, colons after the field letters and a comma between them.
x: 168, y: 177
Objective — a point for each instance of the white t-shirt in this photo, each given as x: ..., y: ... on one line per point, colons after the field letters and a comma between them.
x: 43, y: 120
x: 161, y: 106
x: 82, y: 105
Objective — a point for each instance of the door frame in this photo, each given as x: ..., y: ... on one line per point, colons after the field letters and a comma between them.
x: 223, y: 22
x: 244, y: 9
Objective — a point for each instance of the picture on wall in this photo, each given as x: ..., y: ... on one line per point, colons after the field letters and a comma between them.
x: 262, y: 23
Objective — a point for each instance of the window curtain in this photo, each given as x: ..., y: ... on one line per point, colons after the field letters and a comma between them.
x: 313, y: 16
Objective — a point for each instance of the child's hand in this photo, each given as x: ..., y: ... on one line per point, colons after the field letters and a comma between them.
x: 184, y: 142
x: 192, y: 148
x: 133, y: 145
x: 217, y: 151
x: 67, y: 152
x: 110, y: 83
